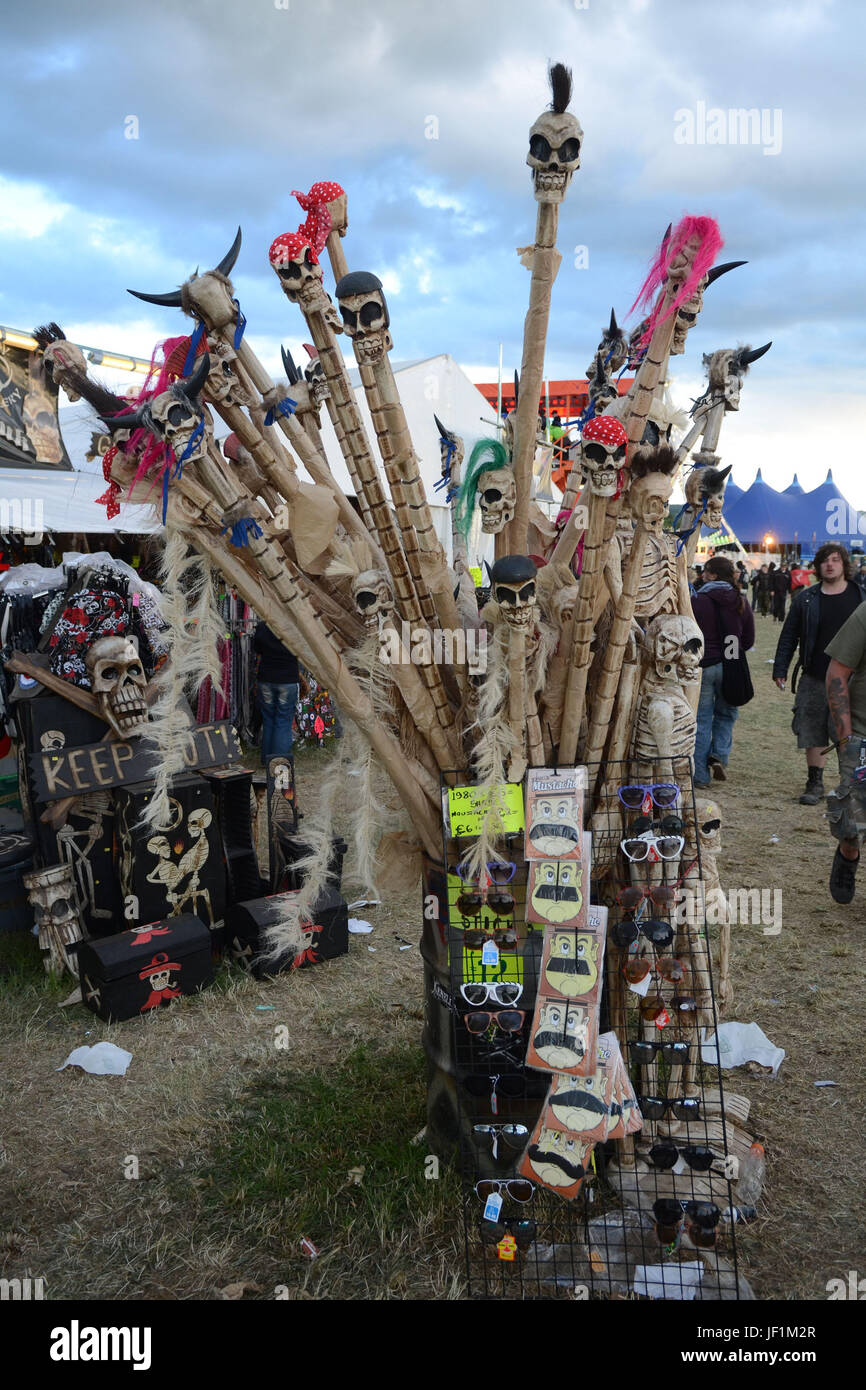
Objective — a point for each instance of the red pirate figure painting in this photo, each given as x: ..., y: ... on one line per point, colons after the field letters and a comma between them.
x: 309, y: 955
x: 161, y: 989
x: 147, y: 931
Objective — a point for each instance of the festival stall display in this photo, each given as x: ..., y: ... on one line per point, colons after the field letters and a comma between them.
x: 542, y: 785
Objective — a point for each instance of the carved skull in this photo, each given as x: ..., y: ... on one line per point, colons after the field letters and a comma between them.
x: 174, y: 417
x: 374, y: 598
x: 496, y: 494
x: 554, y: 153
x: 223, y: 386
x: 686, y: 315
x: 365, y: 315
x: 319, y: 388
x: 602, y: 453
x: 648, y: 499
x: 676, y: 646
x: 298, y: 269
x: 705, y: 488
x: 119, y: 683
x: 51, y: 893
x: 513, y: 586
x: 59, y: 357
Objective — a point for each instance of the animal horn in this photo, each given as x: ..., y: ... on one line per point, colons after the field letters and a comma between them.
x: 723, y: 472
x: 124, y: 422
x: 172, y: 299
x: 613, y: 326
x: 667, y: 233
x: 226, y: 265
x: 292, y: 373
x: 750, y: 355
x: 440, y: 427
x: 192, y: 385
x: 718, y: 270
x: 516, y: 387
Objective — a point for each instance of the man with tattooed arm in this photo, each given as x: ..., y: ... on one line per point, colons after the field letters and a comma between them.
x: 846, y: 699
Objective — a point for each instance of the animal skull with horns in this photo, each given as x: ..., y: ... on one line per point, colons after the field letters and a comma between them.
x: 175, y: 416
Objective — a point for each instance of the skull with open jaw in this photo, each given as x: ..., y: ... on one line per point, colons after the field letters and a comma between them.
x: 119, y: 683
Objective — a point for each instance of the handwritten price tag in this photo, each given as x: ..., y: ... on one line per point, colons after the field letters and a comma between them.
x: 467, y: 808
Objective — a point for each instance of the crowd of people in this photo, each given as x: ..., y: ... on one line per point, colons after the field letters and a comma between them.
x: 824, y: 634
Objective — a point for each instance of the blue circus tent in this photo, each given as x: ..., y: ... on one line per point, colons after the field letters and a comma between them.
x: 794, y: 517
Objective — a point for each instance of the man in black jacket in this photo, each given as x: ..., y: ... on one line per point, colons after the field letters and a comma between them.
x: 816, y: 615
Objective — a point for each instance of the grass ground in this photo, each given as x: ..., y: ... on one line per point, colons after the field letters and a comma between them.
x: 245, y: 1146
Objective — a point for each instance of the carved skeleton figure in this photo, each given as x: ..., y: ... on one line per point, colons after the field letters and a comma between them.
x: 365, y: 315
x: 555, y: 142
x: 665, y: 724
x: 51, y: 894
x: 60, y: 356
x: 78, y: 838
x: 119, y: 683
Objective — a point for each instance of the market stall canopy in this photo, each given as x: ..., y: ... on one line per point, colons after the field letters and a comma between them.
x: 792, y: 516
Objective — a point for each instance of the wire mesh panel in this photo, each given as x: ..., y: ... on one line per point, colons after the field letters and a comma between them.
x: 608, y: 1172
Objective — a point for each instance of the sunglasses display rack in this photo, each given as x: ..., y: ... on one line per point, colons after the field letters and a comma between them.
x: 652, y: 1211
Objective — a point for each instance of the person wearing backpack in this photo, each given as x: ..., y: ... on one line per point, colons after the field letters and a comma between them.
x: 726, y: 620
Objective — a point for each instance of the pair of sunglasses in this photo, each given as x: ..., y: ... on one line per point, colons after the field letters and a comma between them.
x: 496, y: 873
x: 659, y: 894
x: 637, y: 849
x: 519, y: 1189
x: 502, y: 992
x: 523, y: 1232
x: 626, y: 933
x: 681, y: 1107
x: 670, y: 1209
x: 470, y: 904
x: 669, y: 968
x: 506, y: 1020
x: 697, y: 1156
x: 662, y: 794
x: 475, y: 938
x: 653, y: 1007
x: 676, y: 1054
x: 490, y: 1136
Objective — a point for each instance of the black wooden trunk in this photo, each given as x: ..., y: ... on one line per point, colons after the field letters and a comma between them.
x: 129, y: 974
x: 247, y: 927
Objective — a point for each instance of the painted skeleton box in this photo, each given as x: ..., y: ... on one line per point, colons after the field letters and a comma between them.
x: 129, y: 974
x: 178, y: 867
x: 324, y: 936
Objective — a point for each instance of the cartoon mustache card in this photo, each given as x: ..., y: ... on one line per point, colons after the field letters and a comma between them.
x: 554, y: 812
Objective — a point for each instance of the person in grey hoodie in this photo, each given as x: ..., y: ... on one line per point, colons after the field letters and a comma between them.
x: 722, y: 612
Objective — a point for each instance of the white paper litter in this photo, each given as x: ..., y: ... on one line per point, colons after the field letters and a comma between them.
x: 102, y: 1059
x: 359, y: 926
x: 742, y: 1042
x: 364, y: 902
x: 642, y: 987
x: 668, y: 1281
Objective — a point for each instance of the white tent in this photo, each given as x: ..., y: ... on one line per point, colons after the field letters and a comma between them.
x: 66, y: 501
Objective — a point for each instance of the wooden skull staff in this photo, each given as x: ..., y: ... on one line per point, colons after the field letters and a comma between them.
x: 555, y: 142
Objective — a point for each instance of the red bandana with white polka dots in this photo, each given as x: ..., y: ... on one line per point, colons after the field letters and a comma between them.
x: 315, y: 204
x: 605, y: 429
x: 289, y: 247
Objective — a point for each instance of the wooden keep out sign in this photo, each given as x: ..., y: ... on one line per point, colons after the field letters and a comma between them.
x: 66, y: 772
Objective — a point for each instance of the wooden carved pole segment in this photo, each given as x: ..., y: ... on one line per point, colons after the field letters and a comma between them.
x: 575, y: 689
x: 546, y: 260
x: 399, y: 490
x: 602, y: 705
x: 324, y: 660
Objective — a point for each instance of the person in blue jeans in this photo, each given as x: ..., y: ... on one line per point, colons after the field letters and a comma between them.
x: 278, y: 683
x: 721, y: 611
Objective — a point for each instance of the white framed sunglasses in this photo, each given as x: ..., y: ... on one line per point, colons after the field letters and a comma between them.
x: 503, y: 992
x: 666, y: 846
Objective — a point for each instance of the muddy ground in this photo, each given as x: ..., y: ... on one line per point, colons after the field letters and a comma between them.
x: 243, y: 1147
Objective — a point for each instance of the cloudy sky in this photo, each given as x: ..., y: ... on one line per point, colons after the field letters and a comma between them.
x: 236, y: 104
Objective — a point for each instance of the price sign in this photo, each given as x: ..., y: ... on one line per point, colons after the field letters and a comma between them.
x: 468, y: 806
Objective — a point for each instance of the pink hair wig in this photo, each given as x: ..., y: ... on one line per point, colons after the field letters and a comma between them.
x: 706, y: 231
